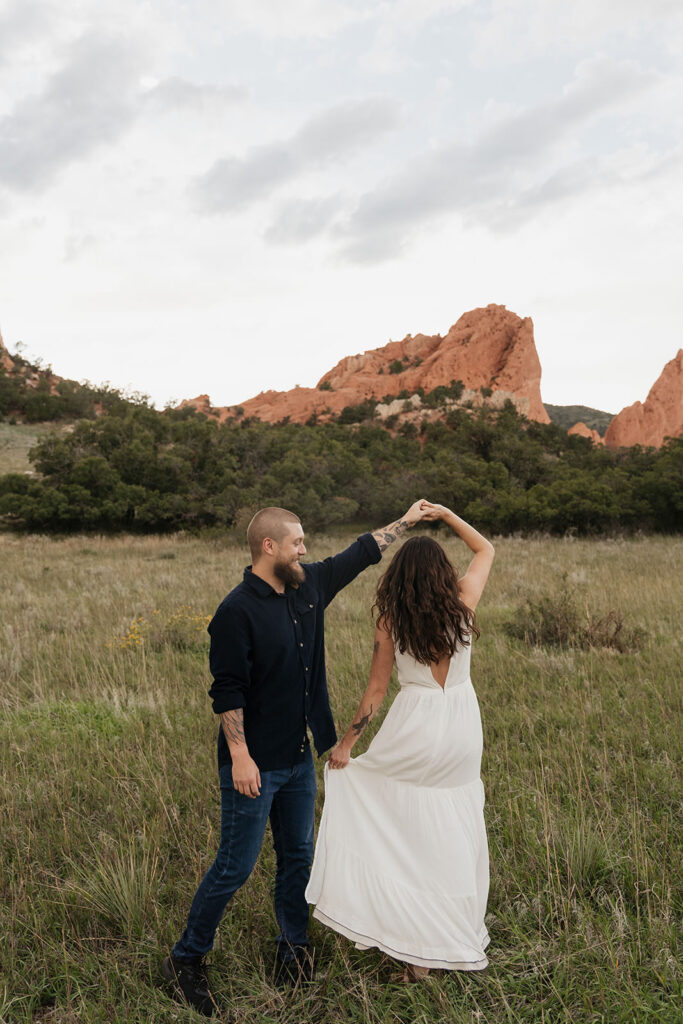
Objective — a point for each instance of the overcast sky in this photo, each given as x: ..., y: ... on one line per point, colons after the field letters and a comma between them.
x: 225, y: 196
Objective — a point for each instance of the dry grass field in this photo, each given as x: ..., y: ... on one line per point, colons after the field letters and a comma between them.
x: 17, y: 439
x: 109, y: 804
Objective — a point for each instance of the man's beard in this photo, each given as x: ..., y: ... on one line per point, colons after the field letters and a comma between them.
x: 289, y: 572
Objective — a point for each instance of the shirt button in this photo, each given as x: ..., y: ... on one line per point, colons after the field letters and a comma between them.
x: 307, y: 668
x: 310, y: 606
x: 300, y: 645
x: 296, y: 622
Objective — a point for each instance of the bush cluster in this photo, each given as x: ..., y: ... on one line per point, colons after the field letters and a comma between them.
x: 557, y: 619
x: 139, y: 469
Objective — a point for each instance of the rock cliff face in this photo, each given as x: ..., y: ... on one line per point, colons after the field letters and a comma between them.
x: 660, y: 416
x: 582, y: 430
x: 488, y: 348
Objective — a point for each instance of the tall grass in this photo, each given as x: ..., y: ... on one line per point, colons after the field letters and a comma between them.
x: 109, y: 806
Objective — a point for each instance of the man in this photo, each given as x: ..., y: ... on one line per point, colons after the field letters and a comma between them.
x: 267, y: 659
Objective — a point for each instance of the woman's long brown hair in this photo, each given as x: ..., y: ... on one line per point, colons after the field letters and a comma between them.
x: 418, y: 602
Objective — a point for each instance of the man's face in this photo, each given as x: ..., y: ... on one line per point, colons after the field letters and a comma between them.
x: 289, y: 552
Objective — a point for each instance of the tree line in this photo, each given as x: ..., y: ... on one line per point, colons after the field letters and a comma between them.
x: 138, y: 469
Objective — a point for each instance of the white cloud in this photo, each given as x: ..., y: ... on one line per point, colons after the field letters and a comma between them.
x: 512, y: 157
x: 233, y: 182
x: 76, y: 244
x: 397, y: 22
x: 176, y: 93
x: 300, y: 220
x: 89, y: 101
x: 20, y: 21
x: 539, y: 25
x: 295, y: 19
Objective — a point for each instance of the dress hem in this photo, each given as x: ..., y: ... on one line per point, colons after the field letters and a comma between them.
x: 365, y: 942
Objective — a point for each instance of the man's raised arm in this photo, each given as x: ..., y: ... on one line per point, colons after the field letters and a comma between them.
x: 388, y: 534
x: 338, y: 571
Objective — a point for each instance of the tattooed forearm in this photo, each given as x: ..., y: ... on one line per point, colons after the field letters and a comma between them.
x: 233, y: 726
x: 358, y: 726
x: 388, y: 534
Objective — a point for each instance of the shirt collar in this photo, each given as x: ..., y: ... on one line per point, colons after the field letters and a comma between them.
x: 260, y: 586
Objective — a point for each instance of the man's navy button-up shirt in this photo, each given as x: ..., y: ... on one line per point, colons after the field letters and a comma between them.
x: 267, y: 656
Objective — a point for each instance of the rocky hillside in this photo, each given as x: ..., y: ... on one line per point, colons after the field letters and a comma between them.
x: 487, y: 358
x: 491, y: 351
x: 659, y: 416
x: 31, y: 393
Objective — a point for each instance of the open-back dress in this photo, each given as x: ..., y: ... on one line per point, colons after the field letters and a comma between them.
x: 401, y: 861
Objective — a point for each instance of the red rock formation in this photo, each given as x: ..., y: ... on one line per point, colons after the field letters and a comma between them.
x: 660, y: 416
x: 6, y: 361
x: 582, y: 430
x: 487, y: 348
x: 202, y: 404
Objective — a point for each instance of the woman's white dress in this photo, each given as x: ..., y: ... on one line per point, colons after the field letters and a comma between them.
x: 401, y: 861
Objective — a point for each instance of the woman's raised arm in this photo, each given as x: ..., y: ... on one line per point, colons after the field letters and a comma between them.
x: 473, y: 582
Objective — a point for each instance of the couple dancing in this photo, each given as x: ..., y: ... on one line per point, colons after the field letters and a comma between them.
x: 401, y: 862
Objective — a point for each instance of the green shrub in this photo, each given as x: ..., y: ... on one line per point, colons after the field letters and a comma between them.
x: 557, y: 620
x: 358, y: 413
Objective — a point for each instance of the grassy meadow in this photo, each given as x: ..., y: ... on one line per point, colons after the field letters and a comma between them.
x: 16, y: 441
x: 109, y: 808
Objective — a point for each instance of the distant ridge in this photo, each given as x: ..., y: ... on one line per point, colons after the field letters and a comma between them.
x: 487, y: 358
x: 567, y: 415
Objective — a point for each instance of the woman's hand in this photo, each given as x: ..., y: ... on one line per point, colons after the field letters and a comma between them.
x: 339, y: 756
x: 431, y: 511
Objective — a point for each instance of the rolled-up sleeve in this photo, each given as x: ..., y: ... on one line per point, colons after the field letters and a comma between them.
x: 230, y: 658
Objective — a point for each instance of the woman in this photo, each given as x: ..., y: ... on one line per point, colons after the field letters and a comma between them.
x: 401, y: 861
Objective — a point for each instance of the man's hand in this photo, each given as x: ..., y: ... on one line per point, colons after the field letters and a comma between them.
x: 388, y: 535
x: 246, y: 777
x: 339, y: 756
x: 416, y: 512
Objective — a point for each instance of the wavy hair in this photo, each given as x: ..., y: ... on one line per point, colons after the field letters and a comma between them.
x: 418, y: 602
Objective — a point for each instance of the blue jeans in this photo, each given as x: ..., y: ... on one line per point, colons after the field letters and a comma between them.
x: 288, y: 799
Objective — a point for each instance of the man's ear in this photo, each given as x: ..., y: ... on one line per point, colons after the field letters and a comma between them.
x: 269, y: 546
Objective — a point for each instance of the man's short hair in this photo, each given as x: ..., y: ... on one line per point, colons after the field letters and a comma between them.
x: 268, y: 522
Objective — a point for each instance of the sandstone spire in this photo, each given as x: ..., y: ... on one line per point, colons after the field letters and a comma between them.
x: 660, y: 416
